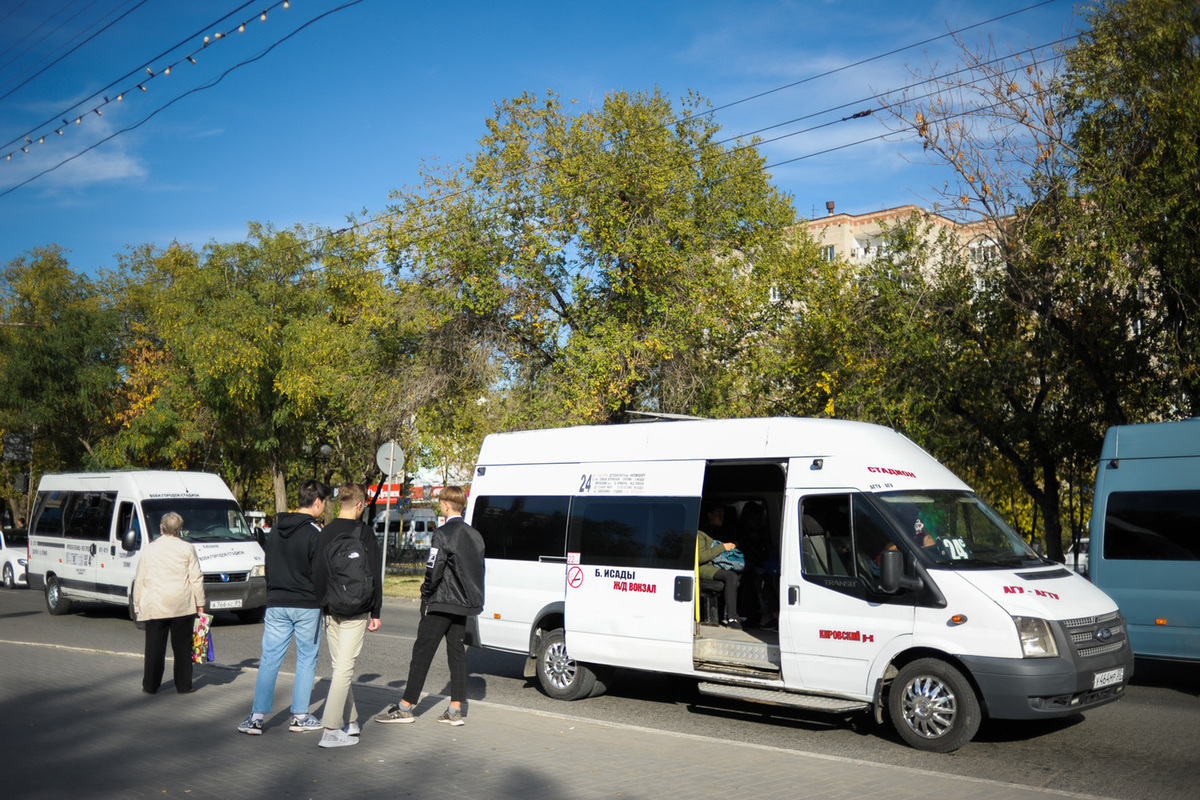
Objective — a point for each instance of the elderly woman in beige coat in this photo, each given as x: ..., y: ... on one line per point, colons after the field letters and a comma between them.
x: 168, y: 593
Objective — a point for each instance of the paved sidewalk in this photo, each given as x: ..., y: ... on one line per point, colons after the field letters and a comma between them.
x: 76, y: 725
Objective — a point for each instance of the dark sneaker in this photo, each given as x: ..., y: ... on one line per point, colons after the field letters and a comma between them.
x: 336, y: 738
x: 304, y: 722
x: 395, y: 713
x: 452, y: 716
x: 733, y: 624
x: 251, y: 726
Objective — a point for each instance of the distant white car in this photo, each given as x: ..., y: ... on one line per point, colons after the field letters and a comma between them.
x: 1082, y: 567
x: 13, y: 547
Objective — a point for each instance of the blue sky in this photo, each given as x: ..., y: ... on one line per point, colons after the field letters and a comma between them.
x: 346, y: 110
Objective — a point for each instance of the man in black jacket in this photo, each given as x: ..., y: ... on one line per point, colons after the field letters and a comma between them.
x: 292, y: 611
x: 452, y: 591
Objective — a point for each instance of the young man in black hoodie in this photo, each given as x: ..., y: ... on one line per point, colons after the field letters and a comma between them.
x: 452, y: 591
x: 344, y: 633
x: 292, y: 610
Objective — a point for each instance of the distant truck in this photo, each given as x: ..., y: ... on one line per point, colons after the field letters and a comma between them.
x: 1145, y: 534
x: 408, y: 532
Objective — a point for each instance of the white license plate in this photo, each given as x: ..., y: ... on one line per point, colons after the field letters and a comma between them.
x: 1108, y: 678
x: 232, y: 604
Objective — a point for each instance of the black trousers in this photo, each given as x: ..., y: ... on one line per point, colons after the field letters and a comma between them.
x: 434, y: 627
x: 180, y: 629
x: 730, y: 579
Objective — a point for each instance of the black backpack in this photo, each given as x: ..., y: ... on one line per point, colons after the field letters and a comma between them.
x: 350, y: 587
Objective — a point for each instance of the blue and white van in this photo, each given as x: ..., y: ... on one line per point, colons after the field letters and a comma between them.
x: 87, y: 530
x: 877, y: 580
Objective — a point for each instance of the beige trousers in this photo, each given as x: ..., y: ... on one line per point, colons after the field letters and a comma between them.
x: 344, y: 636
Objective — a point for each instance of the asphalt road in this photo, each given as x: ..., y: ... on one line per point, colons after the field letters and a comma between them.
x: 1145, y: 746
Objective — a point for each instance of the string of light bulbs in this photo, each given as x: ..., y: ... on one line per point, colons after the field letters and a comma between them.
x: 140, y: 85
x: 430, y: 229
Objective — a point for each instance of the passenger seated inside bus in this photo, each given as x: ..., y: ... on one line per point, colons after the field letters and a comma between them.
x: 708, y: 550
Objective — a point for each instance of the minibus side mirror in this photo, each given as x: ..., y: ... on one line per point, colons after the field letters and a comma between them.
x: 892, y: 577
x: 131, y: 540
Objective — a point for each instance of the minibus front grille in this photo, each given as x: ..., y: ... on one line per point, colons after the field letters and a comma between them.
x: 1091, y: 652
x: 1089, y: 636
x: 1097, y: 636
x: 1091, y: 621
x: 225, y: 577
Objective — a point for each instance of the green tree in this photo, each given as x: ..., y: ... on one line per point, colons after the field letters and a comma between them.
x: 598, y: 262
x: 60, y: 348
x: 1132, y: 87
x: 1033, y: 350
x: 251, y: 351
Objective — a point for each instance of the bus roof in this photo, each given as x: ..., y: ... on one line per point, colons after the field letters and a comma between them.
x: 714, y: 440
x: 1153, y: 440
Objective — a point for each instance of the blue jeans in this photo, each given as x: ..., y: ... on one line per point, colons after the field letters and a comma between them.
x: 280, y: 626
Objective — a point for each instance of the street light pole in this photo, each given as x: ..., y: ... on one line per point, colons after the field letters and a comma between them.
x: 319, y: 456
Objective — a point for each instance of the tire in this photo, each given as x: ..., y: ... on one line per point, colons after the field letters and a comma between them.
x: 604, y: 679
x: 251, y: 615
x: 561, y: 676
x: 10, y: 580
x: 933, y: 706
x: 56, y: 604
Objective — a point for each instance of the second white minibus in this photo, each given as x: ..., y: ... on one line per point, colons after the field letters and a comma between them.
x: 87, y: 530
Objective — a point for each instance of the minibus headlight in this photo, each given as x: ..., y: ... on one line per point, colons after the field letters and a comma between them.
x: 1037, y: 640
x: 258, y: 571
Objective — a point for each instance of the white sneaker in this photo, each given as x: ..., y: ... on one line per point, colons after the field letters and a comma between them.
x: 352, y: 728
x: 336, y: 738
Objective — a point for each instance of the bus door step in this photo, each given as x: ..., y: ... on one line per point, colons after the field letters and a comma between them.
x: 776, y: 697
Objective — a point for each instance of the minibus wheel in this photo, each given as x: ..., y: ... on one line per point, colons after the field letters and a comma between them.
x: 933, y: 706
x: 56, y: 604
x: 561, y: 676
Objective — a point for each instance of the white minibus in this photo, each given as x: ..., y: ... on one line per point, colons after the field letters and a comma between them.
x: 87, y: 528
x: 875, y: 580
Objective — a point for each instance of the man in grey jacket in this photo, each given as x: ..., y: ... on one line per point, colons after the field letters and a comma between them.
x: 452, y: 591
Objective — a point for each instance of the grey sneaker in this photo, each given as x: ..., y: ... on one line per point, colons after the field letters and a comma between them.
x: 352, y: 728
x: 251, y: 726
x: 304, y: 722
x: 395, y: 713
x: 336, y: 738
x: 452, y: 716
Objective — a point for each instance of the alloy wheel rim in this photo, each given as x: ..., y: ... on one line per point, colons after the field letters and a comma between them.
x: 929, y: 707
x: 560, y: 669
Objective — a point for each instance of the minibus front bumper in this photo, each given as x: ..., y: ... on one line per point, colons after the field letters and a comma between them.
x: 1094, y: 665
x: 233, y: 592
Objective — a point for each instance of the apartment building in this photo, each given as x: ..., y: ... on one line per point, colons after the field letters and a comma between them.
x: 859, y: 238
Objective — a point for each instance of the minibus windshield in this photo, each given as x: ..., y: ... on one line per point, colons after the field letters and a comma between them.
x: 956, y: 529
x: 204, y: 520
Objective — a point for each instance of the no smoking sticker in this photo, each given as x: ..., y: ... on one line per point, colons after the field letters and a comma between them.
x: 575, y: 577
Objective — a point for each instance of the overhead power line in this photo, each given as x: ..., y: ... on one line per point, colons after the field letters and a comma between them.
x: 72, y: 111
x: 41, y: 71
x: 194, y: 90
x: 431, y: 229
